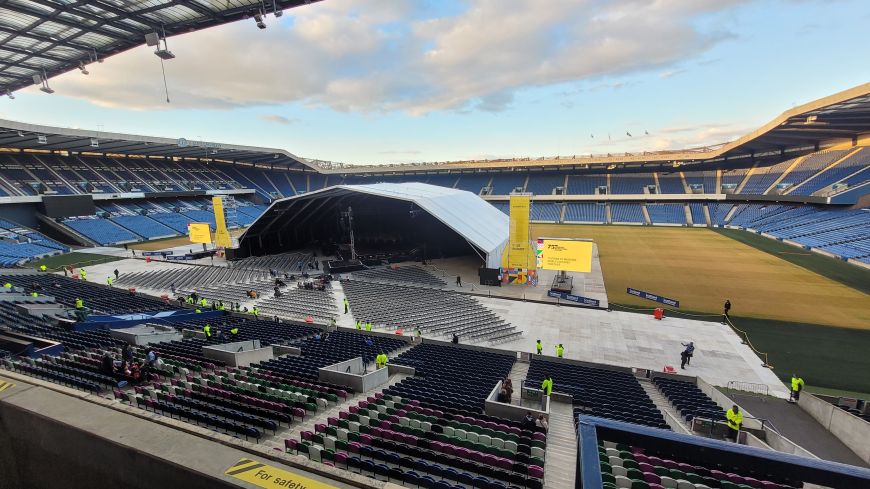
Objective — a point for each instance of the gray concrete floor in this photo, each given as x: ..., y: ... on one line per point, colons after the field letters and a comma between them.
x: 798, y: 426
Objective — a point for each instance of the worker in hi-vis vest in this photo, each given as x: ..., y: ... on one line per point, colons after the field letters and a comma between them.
x: 797, y: 385
x: 539, y: 346
x: 207, y: 330
x: 735, y: 421
x: 560, y: 350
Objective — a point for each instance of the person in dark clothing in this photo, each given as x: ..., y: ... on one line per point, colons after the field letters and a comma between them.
x: 458, y: 281
x: 117, y: 274
x: 684, y: 357
x: 108, y: 364
x: 528, y: 421
x: 455, y: 339
x: 727, y: 309
x: 126, y: 353
x: 688, y: 352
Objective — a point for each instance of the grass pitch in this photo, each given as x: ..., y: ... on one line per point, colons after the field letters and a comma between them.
x: 701, y: 268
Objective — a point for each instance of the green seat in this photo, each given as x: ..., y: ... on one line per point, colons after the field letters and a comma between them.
x: 352, y: 436
x: 327, y: 454
x: 607, y: 477
x: 364, y: 429
x: 341, y: 445
x: 633, y: 473
x: 536, y: 461
x: 311, y: 407
x: 317, y: 438
x: 343, y: 423
x: 353, y: 417
x: 678, y: 474
x: 639, y: 484
x: 629, y: 463
x: 609, y: 485
x: 694, y: 478
x: 331, y: 430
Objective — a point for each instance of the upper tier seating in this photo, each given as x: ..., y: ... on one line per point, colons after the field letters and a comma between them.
x: 144, y: 226
x: 689, y: 400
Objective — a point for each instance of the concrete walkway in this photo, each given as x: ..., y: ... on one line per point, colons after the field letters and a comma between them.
x: 798, y: 426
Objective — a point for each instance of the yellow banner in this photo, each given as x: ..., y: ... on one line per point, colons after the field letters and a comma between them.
x: 567, y: 255
x: 518, y: 246
x: 199, y: 232
x: 221, y: 234
x: 263, y: 475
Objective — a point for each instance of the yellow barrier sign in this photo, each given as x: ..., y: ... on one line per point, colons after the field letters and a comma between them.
x: 263, y: 475
x: 567, y: 255
x: 5, y: 385
x: 199, y: 232
x: 518, y: 244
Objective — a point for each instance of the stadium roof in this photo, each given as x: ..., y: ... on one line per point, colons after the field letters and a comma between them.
x: 481, y: 224
x: 36, y: 137
x: 841, y: 117
x: 50, y: 37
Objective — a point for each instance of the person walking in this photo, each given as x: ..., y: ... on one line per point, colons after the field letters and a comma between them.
x: 797, y: 385
x: 110, y: 280
x: 735, y: 421
x: 117, y: 274
x: 539, y: 346
x: 683, y: 358
x: 255, y: 312
x: 207, y: 330
x: 83, y: 274
x: 560, y: 350
x: 726, y: 311
x: 346, y: 305
x: 687, y: 353
x: 459, y: 281
x: 368, y: 326
x: 358, y: 325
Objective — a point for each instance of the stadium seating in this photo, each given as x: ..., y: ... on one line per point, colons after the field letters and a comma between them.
x: 632, y: 467
x: 401, y: 275
x: 505, y: 184
x: 631, y: 183
x: 433, y: 311
x: 544, y: 184
x: 701, y: 182
x: 586, y: 212
x: 101, y: 231
x: 810, y: 166
x: 761, y: 178
x: 144, y: 226
x: 849, y: 171
x: 626, y: 213
x: 698, y: 216
x: 546, y: 211
x: 598, y: 392
x: 666, y: 213
x: 689, y: 400
x: 585, y: 184
x: 472, y: 183
x: 671, y: 183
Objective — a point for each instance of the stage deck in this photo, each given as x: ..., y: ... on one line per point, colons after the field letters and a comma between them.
x: 590, y: 285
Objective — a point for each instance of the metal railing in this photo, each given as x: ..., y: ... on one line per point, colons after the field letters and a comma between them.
x: 749, y: 387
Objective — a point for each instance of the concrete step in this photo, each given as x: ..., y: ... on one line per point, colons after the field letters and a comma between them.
x: 518, y: 375
x: 559, y: 466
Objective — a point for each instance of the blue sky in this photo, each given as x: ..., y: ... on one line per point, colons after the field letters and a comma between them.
x: 426, y: 80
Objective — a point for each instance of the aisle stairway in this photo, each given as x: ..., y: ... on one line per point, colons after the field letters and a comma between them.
x: 559, y: 467
x: 675, y: 421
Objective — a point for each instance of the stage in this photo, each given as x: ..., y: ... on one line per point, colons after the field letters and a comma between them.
x: 588, y: 285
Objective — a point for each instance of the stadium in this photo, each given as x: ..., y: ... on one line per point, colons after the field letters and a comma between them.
x: 179, y: 312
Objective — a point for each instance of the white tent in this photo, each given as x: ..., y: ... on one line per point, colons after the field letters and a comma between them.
x: 479, y: 223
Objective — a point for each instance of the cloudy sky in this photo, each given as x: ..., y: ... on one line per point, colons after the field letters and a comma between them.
x: 381, y: 81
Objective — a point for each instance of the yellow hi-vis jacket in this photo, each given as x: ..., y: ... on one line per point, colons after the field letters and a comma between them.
x: 797, y: 384
x: 735, y: 420
x: 560, y: 350
x: 547, y: 387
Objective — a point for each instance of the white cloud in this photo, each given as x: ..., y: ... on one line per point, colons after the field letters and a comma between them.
x: 277, y: 119
x: 352, y: 55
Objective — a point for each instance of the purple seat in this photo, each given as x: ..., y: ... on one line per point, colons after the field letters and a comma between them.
x: 752, y: 482
x: 353, y: 447
x: 299, y: 413
x: 656, y: 486
x: 365, y: 439
x: 539, y: 437
x: 341, y: 458
x: 320, y: 428
x: 342, y: 394
x: 651, y: 478
x: 386, y: 424
x: 353, y: 409
x: 644, y: 467
x: 290, y: 445
x: 307, y: 435
x: 536, y: 471
x: 343, y: 415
